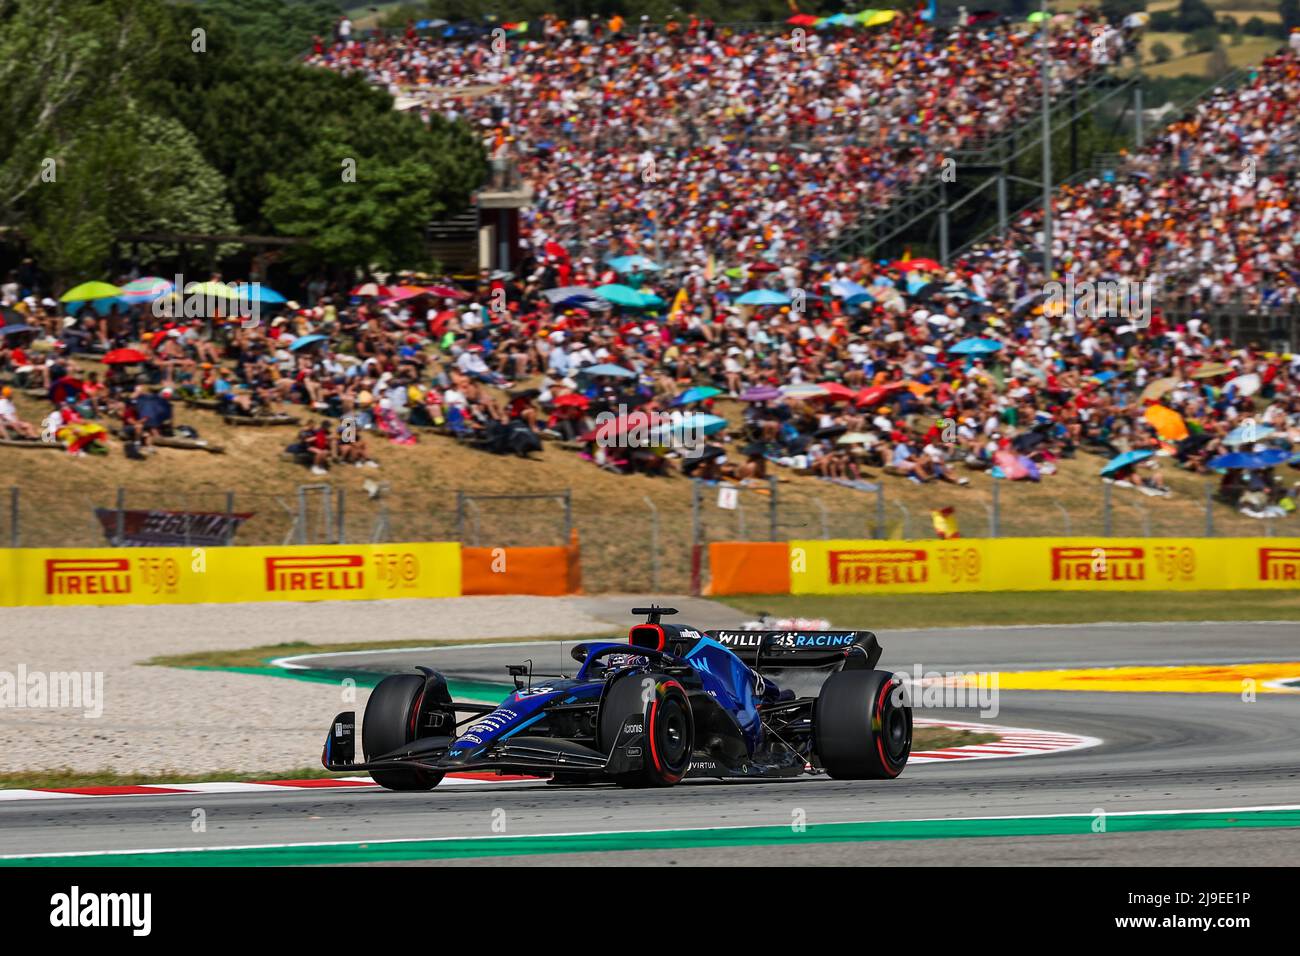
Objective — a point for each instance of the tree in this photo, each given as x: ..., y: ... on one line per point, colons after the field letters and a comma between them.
x: 1161, y: 53
x: 1194, y: 15
x: 1202, y: 40
x: 1290, y: 12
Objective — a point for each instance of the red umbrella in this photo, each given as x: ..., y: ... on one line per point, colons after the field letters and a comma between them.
x: 124, y: 357
x: 553, y: 248
x: 877, y: 393
x: 372, y: 290
x: 802, y: 20
x: 573, y: 398
x: 907, y: 265
x: 838, y: 391
x: 763, y: 266
x: 446, y: 292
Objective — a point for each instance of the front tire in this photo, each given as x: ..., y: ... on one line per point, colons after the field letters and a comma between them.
x: 862, y: 728
x: 669, y: 728
x: 389, y: 723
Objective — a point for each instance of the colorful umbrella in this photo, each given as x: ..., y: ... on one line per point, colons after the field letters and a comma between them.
x: 1210, y: 370
x: 1159, y: 387
x: 975, y: 346
x: 305, y: 340
x: 913, y: 265
x: 763, y: 297
x: 372, y: 290
x: 1248, y: 434
x: 1126, y: 459
x: 90, y: 290
x: 839, y: 391
x: 637, y: 263
x: 697, y: 394
x: 1169, y: 425
x: 256, y: 292
x: 805, y: 390
x: 147, y: 289
x: 622, y: 295
x: 616, y: 371
x: 571, y: 399
x: 760, y: 393
x: 879, y: 18
x: 124, y: 357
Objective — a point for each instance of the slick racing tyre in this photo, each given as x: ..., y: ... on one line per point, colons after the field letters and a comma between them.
x: 669, y: 727
x: 390, y: 722
x: 862, y: 728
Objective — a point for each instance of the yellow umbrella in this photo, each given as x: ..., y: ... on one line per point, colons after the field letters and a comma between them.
x: 879, y: 17
x: 90, y: 290
x: 211, y: 289
x: 1169, y: 425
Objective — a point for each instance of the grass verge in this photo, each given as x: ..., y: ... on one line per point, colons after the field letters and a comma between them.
x: 1025, y: 607
x: 263, y: 655
x: 925, y: 738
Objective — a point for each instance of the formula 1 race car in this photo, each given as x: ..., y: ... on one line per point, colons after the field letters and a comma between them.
x: 671, y: 703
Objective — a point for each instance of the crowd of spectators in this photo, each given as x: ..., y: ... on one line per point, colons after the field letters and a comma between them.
x: 860, y: 369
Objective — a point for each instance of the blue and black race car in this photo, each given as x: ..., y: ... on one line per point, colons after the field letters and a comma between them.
x: 673, y: 702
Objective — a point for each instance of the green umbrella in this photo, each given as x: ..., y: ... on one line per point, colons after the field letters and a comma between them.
x: 90, y: 290
x: 1036, y: 16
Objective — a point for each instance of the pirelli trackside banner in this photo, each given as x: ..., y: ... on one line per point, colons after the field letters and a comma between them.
x: 33, y: 576
x: 1043, y: 564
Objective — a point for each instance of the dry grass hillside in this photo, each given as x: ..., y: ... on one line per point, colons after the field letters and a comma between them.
x: 613, y: 514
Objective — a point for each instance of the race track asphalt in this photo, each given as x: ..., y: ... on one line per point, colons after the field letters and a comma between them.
x: 1160, y: 752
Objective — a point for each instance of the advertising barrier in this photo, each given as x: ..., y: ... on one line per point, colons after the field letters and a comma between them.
x: 1010, y: 564
x: 69, y: 576
x: 546, y: 571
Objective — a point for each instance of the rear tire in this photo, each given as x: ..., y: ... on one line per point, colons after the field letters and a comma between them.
x: 389, y: 723
x: 862, y: 729
x: 669, y: 729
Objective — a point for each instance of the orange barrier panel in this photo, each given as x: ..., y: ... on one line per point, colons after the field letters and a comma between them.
x: 749, y: 567
x: 548, y: 571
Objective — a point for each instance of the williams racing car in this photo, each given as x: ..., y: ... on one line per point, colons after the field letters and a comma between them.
x: 672, y: 702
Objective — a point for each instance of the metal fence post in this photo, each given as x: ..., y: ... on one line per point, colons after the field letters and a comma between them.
x: 460, y: 516
x: 230, y: 521
x: 121, y: 517
x: 340, y: 534
x: 1105, y: 510
x: 880, y: 511
x: 774, y: 521
x: 1209, y: 511
x: 996, y: 521
x: 568, y: 514
x: 13, y: 516
x: 302, y: 515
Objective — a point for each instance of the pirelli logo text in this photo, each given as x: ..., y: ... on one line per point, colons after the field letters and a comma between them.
x: 1098, y: 564
x: 326, y: 572
x: 1279, y: 564
x: 879, y: 566
x: 82, y: 576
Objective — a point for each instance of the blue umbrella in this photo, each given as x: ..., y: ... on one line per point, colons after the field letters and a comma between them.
x: 16, y: 329
x: 975, y: 347
x: 884, y: 280
x: 1101, y: 378
x: 763, y: 297
x: 637, y: 263
x: 259, y: 293
x: 305, y: 340
x: 845, y: 289
x: 697, y: 423
x: 697, y: 394
x: 1235, y: 459
x: 859, y: 299
x: 1248, y: 434
x: 1128, y: 458
x: 1271, y: 457
x: 607, y: 369
x: 916, y: 285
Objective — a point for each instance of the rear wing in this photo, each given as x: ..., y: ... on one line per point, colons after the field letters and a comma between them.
x: 854, y: 649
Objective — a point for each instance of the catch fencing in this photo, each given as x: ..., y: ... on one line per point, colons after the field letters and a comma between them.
x: 652, y: 543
